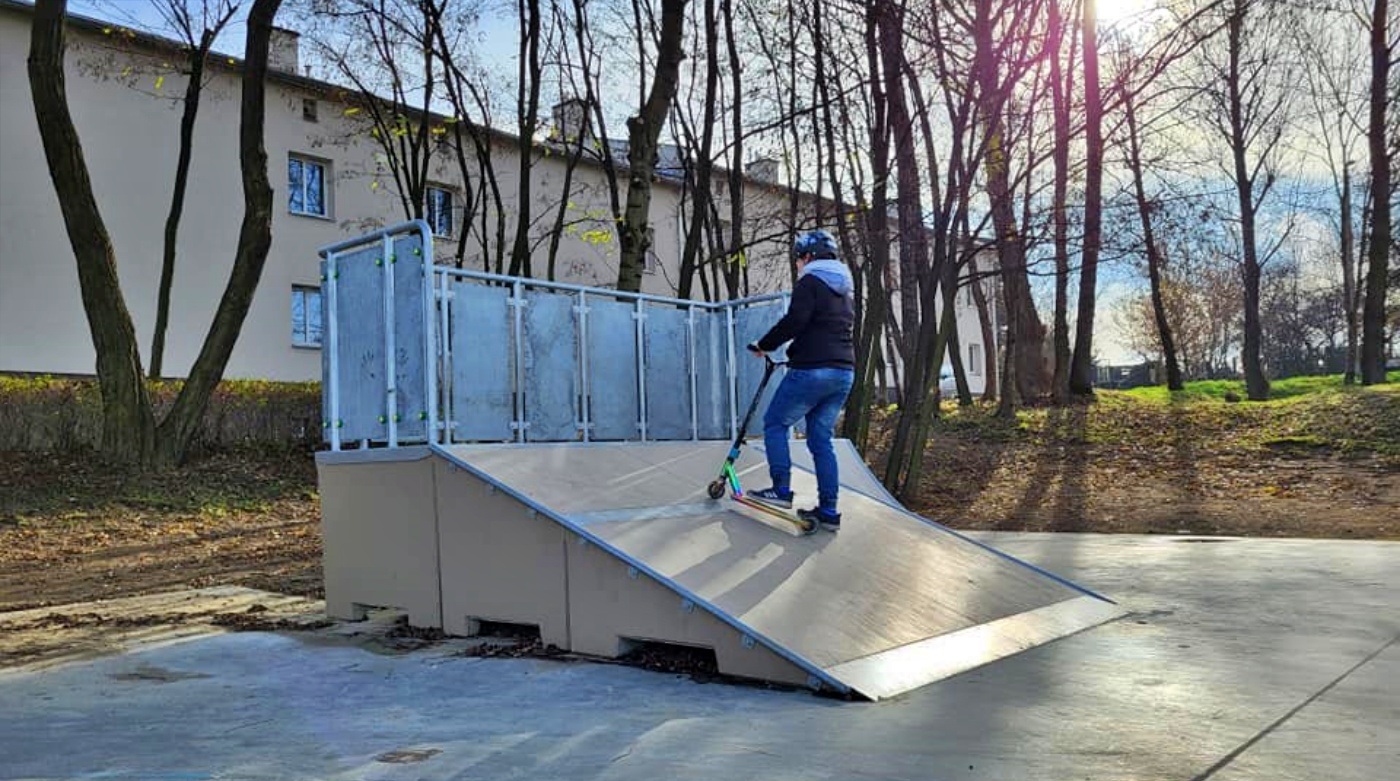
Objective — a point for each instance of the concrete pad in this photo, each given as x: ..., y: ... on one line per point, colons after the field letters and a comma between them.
x: 1242, y: 660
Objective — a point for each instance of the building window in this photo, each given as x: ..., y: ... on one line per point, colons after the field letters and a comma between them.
x: 974, y: 358
x: 439, y: 211
x: 306, y: 316
x: 308, y: 109
x: 306, y: 187
x: 651, y: 262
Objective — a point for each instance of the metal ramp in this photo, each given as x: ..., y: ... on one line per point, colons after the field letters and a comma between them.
x: 603, y: 544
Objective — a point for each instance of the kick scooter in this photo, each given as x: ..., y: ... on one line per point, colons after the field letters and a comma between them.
x: 730, y: 479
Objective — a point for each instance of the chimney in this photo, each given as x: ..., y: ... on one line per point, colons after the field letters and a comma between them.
x: 282, y: 50
x: 571, y: 121
x: 764, y: 169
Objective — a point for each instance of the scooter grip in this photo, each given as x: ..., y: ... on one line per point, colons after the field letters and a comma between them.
x: 753, y: 347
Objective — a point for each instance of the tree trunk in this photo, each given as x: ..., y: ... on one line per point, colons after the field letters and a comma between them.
x: 1256, y: 384
x: 1348, y: 242
x: 1154, y: 255
x: 528, y: 91
x: 193, y: 89
x: 1060, y: 92
x: 643, y: 131
x: 254, y: 241
x: 989, y: 349
x: 128, y: 426
x: 1378, y: 275
x: 1081, y: 377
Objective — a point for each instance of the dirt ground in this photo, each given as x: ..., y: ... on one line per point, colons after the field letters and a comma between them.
x: 73, y: 531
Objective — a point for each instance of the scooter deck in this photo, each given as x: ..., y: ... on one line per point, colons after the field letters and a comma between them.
x: 791, y: 519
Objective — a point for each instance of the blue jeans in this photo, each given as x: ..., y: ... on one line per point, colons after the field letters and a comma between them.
x: 818, y: 395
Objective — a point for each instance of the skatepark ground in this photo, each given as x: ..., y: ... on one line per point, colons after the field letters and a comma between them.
x: 1238, y: 659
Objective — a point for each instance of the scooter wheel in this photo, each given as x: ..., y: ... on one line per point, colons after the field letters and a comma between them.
x: 716, y: 489
x: 809, y: 527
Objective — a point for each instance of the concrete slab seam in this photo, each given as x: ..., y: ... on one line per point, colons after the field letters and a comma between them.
x: 1243, y: 747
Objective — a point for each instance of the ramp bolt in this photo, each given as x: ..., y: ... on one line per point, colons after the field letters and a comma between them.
x: 632, y: 573
x: 379, y: 261
x: 813, y: 682
x: 422, y: 416
x: 397, y: 417
x: 381, y: 418
x: 393, y: 258
x: 417, y: 251
x: 687, y: 606
x: 747, y: 641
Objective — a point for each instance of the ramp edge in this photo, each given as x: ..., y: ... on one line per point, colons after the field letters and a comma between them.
x: 893, y: 672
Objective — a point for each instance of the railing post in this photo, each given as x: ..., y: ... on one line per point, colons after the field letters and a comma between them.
x: 640, y: 316
x: 332, y: 336
x: 733, y: 372
x: 585, y: 401
x: 430, y: 352
x: 442, y: 353
x: 694, y: 374
x: 517, y: 301
x: 391, y: 400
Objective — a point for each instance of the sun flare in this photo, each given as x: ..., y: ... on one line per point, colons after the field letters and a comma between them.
x: 1112, y: 12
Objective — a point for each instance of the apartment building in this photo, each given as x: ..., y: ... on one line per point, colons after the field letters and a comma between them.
x: 125, y: 92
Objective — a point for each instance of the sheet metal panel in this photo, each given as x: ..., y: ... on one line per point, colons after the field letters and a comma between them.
x: 363, y: 386
x: 612, y: 369
x: 666, y: 335
x: 483, y: 363
x: 409, y: 379
x: 551, y: 367
x: 750, y: 324
x: 712, y: 373
x: 326, y: 379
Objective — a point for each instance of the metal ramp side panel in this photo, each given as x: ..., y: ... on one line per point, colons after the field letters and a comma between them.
x: 918, y: 664
x: 454, y: 456
x: 611, y: 602
x: 499, y: 560
x: 379, y: 532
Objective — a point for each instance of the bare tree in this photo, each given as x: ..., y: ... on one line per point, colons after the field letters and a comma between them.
x: 1249, y: 112
x: 199, y: 35
x: 1373, y: 319
x: 1081, y: 376
x: 643, y: 131
x: 129, y: 430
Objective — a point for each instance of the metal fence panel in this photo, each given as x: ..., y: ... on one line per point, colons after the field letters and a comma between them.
x: 712, y: 373
x: 551, y: 366
x: 407, y: 265
x: 362, y: 380
x: 612, y: 369
x: 750, y: 324
x: 483, y: 363
x: 667, y: 364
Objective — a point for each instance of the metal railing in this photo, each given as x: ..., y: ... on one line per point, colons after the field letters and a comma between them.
x: 454, y: 355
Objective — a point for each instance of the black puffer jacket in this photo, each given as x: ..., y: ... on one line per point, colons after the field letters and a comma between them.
x: 820, y: 323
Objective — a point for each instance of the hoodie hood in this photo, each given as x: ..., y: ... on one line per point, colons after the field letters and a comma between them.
x: 835, y: 274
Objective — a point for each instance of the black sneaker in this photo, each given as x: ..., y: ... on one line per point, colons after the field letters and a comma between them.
x: 829, y: 521
x: 777, y: 497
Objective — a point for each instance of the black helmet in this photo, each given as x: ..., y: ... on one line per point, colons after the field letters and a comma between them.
x: 817, y: 243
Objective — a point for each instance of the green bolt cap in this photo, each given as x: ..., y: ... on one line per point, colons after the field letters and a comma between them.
x: 381, y: 418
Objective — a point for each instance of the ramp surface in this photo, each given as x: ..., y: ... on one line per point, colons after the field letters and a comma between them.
x: 890, y: 603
